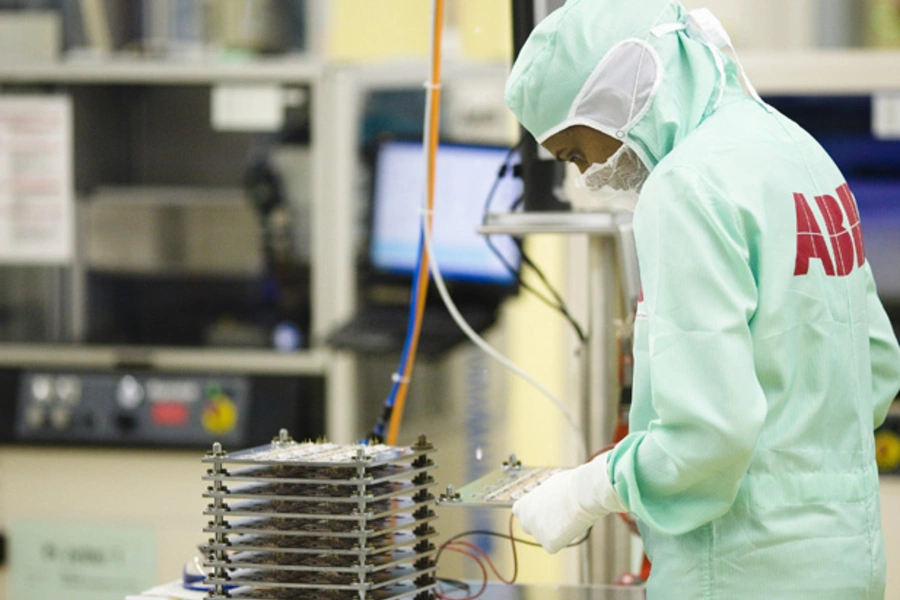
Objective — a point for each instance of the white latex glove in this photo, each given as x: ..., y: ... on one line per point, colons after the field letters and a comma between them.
x: 565, y: 506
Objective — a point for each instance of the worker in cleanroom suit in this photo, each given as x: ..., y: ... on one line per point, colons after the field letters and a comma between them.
x: 763, y: 357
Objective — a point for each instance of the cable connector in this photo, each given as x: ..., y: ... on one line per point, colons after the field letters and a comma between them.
x: 398, y: 378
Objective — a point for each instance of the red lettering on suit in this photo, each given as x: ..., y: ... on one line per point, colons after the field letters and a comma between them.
x: 810, y: 241
x: 852, y: 211
x: 841, y: 240
x: 843, y: 249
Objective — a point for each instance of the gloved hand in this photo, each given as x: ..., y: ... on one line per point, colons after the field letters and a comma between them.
x: 566, y: 505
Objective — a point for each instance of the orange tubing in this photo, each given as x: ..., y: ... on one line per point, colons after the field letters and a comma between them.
x: 434, y: 92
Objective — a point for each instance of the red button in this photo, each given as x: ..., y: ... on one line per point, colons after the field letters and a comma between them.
x: 170, y: 414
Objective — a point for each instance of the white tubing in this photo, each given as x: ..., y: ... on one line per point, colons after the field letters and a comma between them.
x: 439, y: 279
x: 494, y: 353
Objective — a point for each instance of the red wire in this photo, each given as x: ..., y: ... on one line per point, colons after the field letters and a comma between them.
x: 454, y: 546
x: 484, y: 555
x: 484, y: 576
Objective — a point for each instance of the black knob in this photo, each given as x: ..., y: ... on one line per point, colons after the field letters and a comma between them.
x: 126, y: 422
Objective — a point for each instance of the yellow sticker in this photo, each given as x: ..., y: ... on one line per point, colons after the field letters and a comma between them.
x: 219, y: 415
x: 887, y: 451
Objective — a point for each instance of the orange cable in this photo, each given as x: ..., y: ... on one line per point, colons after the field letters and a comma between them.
x: 422, y: 282
x: 512, y: 541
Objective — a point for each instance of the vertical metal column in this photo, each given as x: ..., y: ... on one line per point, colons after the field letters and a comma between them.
x: 337, y: 113
x: 608, y: 257
x: 610, y: 252
x: 602, y: 393
x: 220, y: 539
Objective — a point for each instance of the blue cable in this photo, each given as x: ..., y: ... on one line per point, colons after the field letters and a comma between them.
x: 379, y: 429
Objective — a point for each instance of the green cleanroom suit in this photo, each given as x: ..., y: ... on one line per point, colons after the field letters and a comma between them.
x: 763, y: 356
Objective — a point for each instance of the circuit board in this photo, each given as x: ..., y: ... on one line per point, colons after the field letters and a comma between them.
x: 292, y: 520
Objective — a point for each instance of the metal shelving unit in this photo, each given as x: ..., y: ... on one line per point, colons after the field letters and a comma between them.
x: 132, y: 70
x: 332, y: 279
x: 259, y: 362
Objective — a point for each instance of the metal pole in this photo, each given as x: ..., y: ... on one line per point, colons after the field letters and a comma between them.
x: 337, y: 109
x: 613, y: 283
x: 609, y: 560
x: 585, y: 366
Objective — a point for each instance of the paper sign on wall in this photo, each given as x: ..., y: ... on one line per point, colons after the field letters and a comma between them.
x: 36, y: 183
x: 79, y: 561
x: 886, y: 115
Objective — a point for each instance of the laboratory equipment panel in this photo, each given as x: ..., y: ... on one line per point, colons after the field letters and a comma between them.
x: 154, y: 409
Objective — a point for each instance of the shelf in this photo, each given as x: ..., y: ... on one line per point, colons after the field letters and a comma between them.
x: 555, y: 222
x: 221, y: 360
x: 126, y: 70
x: 839, y: 72
x: 292, y: 69
x: 816, y: 71
x: 823, y: 72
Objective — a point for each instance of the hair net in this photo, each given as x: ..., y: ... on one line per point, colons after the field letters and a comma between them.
x: 646, y: 72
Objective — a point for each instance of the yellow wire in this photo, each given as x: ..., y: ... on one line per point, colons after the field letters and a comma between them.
x: 422, y: 281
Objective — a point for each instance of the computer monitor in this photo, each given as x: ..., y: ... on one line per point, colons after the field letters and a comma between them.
x: 464, y: 178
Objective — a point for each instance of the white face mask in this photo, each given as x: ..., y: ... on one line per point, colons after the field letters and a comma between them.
x: 615, y: 184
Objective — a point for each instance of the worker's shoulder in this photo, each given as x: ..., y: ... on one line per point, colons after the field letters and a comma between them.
x: 739, y: 144
x: 741, y: 134
x: 709, y: 167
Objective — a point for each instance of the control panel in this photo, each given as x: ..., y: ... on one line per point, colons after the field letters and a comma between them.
x: 120, y: 408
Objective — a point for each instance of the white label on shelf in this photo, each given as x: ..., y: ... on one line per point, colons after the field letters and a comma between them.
x: 886, y: 115
x: 36, y: 182
x: 80, y: 560
x: 247, y: 107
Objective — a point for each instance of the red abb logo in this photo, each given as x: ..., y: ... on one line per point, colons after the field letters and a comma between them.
x: 842, y: 249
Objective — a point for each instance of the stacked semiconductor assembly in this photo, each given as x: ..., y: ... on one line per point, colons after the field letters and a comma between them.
x: 297, y: 521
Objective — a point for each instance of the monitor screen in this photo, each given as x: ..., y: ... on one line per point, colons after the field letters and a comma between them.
x: 465, y: 175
